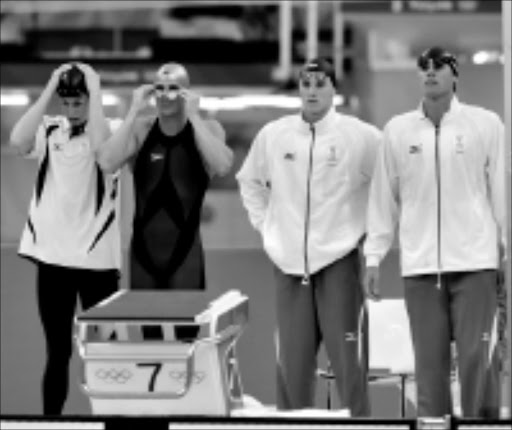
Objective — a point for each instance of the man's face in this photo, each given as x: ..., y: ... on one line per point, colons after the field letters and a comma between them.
x: 170, y: 80
x: 167, y: 96
x: 316, y: 91
x: 75, y: 109
x: 436, y: 76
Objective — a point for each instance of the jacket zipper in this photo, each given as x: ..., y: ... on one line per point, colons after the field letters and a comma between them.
x: 305, y: 278
x: 438, y: 180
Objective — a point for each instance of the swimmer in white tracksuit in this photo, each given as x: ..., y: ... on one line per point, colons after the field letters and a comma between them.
x: 441, y: 177
x: 305, y: 186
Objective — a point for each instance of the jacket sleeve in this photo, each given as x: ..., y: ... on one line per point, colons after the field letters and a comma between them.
x: 496, y: 177
x: 41, y: 138
x: 383, y: 204
x: 373, y: 141
x: 254, y: 182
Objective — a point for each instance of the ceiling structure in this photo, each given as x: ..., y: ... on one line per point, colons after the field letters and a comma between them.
x: 468, y: 31
x: 465, y: 33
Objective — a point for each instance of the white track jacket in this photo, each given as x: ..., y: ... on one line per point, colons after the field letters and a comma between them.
x: 74, y: 210
x: 306, y: 188
x: 444, y: 187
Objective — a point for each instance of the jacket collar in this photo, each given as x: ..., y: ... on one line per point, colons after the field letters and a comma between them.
x: 454, y: 108
x: 321, y: 124
x: 76, y: 131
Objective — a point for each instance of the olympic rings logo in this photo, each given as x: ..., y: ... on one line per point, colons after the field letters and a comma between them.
x: 177, y: 375
x: 118, y: 376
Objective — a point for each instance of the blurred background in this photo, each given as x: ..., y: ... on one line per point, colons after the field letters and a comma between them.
x: 243, y: 57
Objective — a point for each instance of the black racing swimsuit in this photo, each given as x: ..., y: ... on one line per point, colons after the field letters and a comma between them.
x: 170, y: 182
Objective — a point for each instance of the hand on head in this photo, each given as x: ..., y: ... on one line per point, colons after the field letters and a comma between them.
x: 56, y: 74
x: 92, y: 78
x: 84, y: 79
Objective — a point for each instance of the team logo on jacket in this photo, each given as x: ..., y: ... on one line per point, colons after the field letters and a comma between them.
x: 459, y: 144
x: 332, y: 158
x: 415, y: 148
x: 290, y: 156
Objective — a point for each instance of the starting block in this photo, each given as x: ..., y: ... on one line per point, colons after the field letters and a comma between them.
x: 189, y: 368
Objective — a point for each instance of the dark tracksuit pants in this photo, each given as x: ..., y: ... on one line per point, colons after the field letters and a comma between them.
x: 57, y: 291
x: 463, y: 309
x: 331, y: 308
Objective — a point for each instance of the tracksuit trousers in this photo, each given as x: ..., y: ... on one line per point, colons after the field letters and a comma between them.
x: 464, y: 310
x: 330, y: 309
x: 58, y: 289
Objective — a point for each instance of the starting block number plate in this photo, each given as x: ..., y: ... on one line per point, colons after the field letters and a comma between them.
x: 140, y: 377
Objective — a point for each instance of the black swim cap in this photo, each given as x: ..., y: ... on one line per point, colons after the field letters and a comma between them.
x: 72, y: 83
x: 439, y: 56
x: 322, y: 65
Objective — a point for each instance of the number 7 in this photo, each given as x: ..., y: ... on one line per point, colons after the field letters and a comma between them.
x: 158, y: 367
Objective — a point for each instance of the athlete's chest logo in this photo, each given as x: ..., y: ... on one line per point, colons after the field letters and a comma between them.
x: 290, y: 156
x: 58, y: 142
x: 333, y: 157
x: 415, y: 148
x: 459, y: 144
x: 72, y: 148
x: 155, y: 156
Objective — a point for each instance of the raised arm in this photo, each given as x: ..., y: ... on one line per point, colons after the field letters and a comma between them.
x: 99, y: 130
x: 113, y: 153
x: 22, y: 138
x: 210, y: 137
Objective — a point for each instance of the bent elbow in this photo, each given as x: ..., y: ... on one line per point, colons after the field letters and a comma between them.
x: 224, y: 169
x: 19, y: 147
x: 106, y: 164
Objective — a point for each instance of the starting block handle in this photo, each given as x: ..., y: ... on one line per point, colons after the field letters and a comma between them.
x: 232, y: 301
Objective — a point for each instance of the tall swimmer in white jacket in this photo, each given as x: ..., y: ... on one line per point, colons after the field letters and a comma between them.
x: 440, y: 177
x: 305, y: 185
